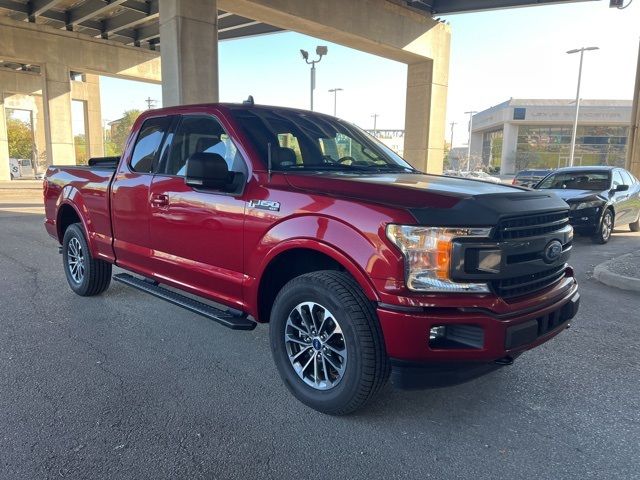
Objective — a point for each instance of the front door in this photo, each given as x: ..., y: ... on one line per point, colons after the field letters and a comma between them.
x: 197, y: 234
x: 620, y: 200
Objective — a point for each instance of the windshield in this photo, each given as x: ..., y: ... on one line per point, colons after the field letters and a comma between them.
x: 577, y: 181
x: 303, y: 141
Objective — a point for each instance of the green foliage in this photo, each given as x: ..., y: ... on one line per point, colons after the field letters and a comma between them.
x: 80, y: 145
x: 119, y: 133
x: 20, y: 139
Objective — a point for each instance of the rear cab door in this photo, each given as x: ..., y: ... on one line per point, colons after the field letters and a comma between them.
x: 197, y: 234
x: 130, y: 202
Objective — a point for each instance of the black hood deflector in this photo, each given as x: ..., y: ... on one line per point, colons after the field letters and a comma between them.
x: 489, y: 209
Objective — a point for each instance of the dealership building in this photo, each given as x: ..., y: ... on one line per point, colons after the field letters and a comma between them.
x: 520, y: 134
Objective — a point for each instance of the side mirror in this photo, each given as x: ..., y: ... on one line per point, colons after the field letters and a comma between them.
x: 621, y: 188
x: 208, y: 170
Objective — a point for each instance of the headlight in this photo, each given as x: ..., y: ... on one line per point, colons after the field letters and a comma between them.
x: 427, y: 253
x: 589, y: 204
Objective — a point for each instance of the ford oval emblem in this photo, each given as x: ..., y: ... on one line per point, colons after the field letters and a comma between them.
x: 552, y: 251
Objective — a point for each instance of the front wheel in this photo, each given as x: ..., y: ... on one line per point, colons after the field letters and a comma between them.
x: 327, y: 343
x: 603, y: 233
x: 86, y: 275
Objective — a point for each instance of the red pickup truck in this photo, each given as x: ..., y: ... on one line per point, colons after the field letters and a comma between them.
x: 363, y: 266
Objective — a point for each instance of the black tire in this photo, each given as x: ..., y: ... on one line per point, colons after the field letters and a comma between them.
x: 366, y: 368
x: 635, y: 226
x: 605, y: 228
x: 96, y: 275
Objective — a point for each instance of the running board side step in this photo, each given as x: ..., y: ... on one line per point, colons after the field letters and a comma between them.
x: 228, y: 318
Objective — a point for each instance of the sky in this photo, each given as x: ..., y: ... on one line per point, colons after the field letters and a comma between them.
x: 496, y: 55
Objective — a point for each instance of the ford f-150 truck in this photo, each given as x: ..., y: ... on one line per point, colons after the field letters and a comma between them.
x: 363, y: 266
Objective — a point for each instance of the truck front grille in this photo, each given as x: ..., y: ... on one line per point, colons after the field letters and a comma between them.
x: 532, y: 225
x: 526, y: 284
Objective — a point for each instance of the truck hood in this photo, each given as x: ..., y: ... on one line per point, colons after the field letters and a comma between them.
x: 432, y: 199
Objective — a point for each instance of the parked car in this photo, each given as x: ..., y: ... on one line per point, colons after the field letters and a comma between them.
x: 600, y: 198
x: 484, y: 176
x: 529, y: 178
x: 361, y: 264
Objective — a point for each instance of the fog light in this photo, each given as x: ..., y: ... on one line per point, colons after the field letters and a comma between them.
x: 436, y: 333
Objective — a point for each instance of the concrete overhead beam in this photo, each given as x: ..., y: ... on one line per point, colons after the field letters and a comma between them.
x: 25, y: 42
x: 380, y: 27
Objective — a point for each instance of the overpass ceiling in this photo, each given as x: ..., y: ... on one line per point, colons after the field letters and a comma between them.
x: 136, y: 22
x: 131, y: 22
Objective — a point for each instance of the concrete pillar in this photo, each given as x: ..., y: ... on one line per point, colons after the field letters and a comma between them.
x: 57, y: 100
x: 189, y: 51
x: 95, y: 135
x: 4, y: 144
x: 509, y: 146
x: 425, y: 118
x: 476, y: 150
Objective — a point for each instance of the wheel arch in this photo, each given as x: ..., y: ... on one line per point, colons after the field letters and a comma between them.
x: 297, y: 257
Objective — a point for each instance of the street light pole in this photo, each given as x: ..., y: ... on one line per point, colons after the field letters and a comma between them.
x: 451, y: 143
x: 575, y: 121
x: 335, y: 98
x: 471, y: 114
x: 375, y: 123
x: 320, y: 51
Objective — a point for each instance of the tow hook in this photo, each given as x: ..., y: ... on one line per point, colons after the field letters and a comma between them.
x: 504, y: 361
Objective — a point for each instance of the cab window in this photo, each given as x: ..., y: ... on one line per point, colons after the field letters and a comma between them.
x: 148, y: 143
x: 196, y: 134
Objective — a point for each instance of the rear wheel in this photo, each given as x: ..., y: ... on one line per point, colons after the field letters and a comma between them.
x: 326, y: 342
x: 86, y: 275
x: 603, y: 233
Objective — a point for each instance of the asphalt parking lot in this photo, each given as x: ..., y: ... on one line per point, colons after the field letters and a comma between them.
x: 127, y: 386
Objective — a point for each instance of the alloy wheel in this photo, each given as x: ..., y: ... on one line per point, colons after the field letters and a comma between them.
x: 315, y: 345
x: 75, y: 260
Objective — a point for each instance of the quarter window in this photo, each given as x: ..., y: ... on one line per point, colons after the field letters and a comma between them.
x: 148, y: 144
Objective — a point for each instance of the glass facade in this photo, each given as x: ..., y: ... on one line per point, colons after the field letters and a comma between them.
x: 549, y: 146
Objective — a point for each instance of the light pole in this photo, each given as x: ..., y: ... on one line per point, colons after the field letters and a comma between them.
x: 375, y: 123
x: 453, y: 124
x: 575, y: 122
x: 471, y: 114
x: 335, y: 98
x: 320, y: 51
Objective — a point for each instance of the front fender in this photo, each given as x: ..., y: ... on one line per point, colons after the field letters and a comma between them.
x: 363, y: 256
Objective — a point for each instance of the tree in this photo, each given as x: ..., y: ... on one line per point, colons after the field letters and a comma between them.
x: 80, y: 145
x: 120, y: 131
x: 20, y: 139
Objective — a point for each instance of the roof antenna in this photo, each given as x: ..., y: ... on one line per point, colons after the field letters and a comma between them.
x: 248, y: 101
x: 269, y: 162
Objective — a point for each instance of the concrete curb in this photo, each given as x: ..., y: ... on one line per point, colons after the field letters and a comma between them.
x: 606, y: 276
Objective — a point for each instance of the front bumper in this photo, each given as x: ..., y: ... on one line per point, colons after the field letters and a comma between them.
x: 417, y: 364
x: 585, y: 220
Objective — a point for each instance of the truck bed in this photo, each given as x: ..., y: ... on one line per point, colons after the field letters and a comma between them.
x: 86, y: 189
